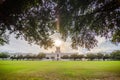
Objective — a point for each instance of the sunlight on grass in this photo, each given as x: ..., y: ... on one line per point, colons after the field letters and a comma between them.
x: 59, y: 70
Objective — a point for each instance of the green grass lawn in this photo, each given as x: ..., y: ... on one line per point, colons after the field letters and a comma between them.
x: 59, y: 70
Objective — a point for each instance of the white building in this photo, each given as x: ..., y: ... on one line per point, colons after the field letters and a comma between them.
x: 57, y: 54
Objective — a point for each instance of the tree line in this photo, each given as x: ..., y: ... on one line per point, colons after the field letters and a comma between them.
x: 4, y: 56
x: 90, y: 56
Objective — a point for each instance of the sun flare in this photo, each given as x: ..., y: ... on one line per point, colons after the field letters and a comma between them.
x: 58, y: 42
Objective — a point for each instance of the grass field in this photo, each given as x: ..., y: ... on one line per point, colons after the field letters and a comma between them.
x: 59, y: 70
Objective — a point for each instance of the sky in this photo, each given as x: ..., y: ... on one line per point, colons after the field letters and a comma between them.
x: 22, y: 46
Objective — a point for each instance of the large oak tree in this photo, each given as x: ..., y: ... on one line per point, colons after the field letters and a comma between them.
x: 82, y: 20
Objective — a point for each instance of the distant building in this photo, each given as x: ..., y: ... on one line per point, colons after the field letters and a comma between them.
x: 57, y: 54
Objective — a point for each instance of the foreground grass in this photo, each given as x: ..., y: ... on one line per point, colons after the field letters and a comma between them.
x: 59, y: 70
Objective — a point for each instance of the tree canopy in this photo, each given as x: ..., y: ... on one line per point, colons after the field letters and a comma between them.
x: 82, y: 20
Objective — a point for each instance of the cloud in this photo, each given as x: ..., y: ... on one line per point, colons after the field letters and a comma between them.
x: 105, y: 46
x: 20, y: 45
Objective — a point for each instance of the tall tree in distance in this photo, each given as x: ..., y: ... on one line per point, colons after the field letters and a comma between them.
x: 81, y: 20
x: 4, y: 55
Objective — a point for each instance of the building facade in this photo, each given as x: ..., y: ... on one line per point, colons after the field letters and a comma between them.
x: 57, y: 54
